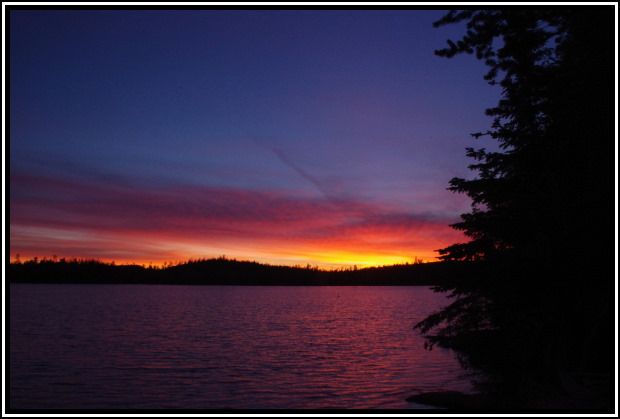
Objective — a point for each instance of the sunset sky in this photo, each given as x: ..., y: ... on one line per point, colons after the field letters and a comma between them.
x: 286, y: 137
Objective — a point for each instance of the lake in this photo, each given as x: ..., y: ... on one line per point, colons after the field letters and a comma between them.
x: 217, y: 347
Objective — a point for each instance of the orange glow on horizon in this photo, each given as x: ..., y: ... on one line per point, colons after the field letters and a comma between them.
x: 379, y: 247
x: 172, y: 225
x: 324, y: 265
x: 326, y: 260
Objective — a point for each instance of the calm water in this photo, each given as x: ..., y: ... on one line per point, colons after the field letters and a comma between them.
x: 151, y: 346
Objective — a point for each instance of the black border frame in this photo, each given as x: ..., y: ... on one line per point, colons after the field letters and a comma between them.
x: 360, y: 5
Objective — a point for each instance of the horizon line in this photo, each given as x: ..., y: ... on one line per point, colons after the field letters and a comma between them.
x: 168, y: 264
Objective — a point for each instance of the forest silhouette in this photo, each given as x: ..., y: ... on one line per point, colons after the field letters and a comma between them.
x: 226, y: 271
x: 540, y: 315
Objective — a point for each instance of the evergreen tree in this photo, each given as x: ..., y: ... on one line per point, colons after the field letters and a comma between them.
x: 541, y: 225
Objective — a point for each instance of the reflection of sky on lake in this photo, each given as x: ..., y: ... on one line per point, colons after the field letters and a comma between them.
x: 149, y: 346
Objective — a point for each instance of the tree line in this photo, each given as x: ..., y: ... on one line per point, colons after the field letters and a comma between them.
x: 225, y: 271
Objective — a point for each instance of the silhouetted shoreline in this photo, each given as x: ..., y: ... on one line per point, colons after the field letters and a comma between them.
x: 222, y: 271
x: 583, y: 392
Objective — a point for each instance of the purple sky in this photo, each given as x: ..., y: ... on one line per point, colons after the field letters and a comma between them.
x: 323, y: 137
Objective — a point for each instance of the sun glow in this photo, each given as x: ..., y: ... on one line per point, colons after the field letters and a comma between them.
x: 348, y: 259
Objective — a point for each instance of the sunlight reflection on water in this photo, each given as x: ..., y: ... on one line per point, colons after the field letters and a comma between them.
x: 203, y: 347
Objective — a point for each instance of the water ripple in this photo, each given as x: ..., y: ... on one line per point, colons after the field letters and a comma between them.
x: 146, y: 346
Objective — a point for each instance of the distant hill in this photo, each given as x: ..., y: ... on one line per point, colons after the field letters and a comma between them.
x: 222, y: 271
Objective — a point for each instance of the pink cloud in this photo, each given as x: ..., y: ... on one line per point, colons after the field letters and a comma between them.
x: 86, y: 218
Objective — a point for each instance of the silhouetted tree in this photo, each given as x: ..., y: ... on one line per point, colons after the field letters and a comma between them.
x: 541, y: 224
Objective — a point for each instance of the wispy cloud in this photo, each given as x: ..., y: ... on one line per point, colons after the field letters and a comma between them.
x: 82, y: 215
x: 328, y: 186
